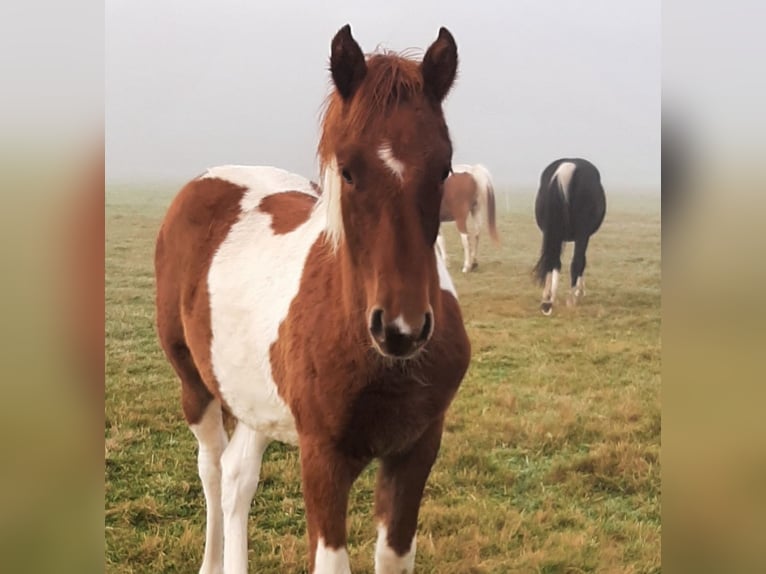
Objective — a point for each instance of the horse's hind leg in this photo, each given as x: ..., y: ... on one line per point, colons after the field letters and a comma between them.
x: 465, y: 238
x: 473, y: 239
x: 241, y: 468
x: 551, y: 284
x: 469, y: 235
x: 577, y: 270
x: 473, y: 225
x: 442, y: 248
x: 212, y: 439
x: 203, y: 413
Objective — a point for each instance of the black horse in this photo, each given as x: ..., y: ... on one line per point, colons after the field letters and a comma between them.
x: 570, y: 206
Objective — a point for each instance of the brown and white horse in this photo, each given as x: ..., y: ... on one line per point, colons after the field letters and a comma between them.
x: 469, y: 198
x: 322, y: 319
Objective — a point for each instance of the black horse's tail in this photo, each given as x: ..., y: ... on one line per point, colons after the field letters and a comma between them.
x: 555, y: 216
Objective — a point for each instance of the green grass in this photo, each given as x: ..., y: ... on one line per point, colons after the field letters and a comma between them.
x: 550, y: 458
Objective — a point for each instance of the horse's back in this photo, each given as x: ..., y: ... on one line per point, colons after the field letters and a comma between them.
x: 460, y: 195
x: 229, y: 260
x: 572, y: 184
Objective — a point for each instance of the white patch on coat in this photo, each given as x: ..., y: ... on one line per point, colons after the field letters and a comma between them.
x: 387, y: 561
x: 271, y: 179
x: 253, y: 278
x: 563, y: 175
x: 331, y: 561
x: 392, y: 163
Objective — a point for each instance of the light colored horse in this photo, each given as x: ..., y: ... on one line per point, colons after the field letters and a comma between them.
x: 469, y: 199
x: 322, y: 318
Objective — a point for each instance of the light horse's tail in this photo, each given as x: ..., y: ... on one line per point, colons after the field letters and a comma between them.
x: 556, y: 221
x: 486, y: 198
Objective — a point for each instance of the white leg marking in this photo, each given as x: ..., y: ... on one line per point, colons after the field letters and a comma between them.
x: 395, y: 165
x: 445, y: 281
x: 554, y: 284
x: 441, y: 248
x: 402, y: 325
x: 474, y: 245
x: 580, y: 286
x: 330, y: 561
x: 466, y: 252
x: 241, y: 468
x: 212, y: 441
x: 387, y: 561
x: 547, y: 288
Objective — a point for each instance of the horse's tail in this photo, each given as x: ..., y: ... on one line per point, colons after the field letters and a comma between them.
x: 486, y: 198
x: 556, y: 215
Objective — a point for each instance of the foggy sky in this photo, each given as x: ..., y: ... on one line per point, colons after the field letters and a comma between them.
x: 190, y: 84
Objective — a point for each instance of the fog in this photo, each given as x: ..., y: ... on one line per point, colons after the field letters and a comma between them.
x: 190, y: 84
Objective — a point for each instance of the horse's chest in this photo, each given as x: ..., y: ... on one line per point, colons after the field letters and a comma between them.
x: 382, y: 422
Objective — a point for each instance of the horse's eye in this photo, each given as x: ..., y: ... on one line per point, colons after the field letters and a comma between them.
x: 346, y: 175
x: 446, y: 173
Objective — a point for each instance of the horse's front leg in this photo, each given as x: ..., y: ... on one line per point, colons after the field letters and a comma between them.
x: 327, y: 476
x: 401, y: 481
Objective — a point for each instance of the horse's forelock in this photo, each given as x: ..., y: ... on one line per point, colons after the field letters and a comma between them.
x: 391, y: 79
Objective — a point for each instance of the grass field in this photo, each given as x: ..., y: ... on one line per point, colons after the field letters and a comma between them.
x: 550, y: 459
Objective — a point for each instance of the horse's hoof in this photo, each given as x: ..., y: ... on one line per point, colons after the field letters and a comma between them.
x: 466, y: 270
x: 546, y: 308
x: 475, y: 265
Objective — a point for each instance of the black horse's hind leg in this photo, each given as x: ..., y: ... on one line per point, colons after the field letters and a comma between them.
x: 577, y: 269
x: 553, y: 270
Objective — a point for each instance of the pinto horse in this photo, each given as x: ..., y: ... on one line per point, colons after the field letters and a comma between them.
x: 322, y: 318
x: 469, y: 197
x: 570, y: 206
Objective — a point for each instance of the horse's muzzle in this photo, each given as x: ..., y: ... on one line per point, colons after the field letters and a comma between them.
x: 398, y: 338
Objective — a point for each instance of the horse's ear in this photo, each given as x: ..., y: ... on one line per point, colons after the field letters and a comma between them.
x: 346, y: 63
x: 439, y: 65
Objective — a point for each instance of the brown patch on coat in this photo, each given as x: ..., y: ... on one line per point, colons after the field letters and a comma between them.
x: 289, y: 210
x: 461, y: 195
x: 197, y: 222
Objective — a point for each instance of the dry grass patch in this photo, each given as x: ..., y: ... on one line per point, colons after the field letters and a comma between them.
x: 550, y: 457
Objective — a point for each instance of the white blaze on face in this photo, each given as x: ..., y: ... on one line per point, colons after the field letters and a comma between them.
x: 387, y: 561
x: 402, y: 325
x: 392, y: 163
x: 331, y: 560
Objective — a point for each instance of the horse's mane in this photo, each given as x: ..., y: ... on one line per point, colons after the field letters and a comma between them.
x: 391, y: 78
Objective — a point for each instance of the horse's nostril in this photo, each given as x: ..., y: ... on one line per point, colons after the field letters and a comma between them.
x: 425, y: 332
x: 376, y: 323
